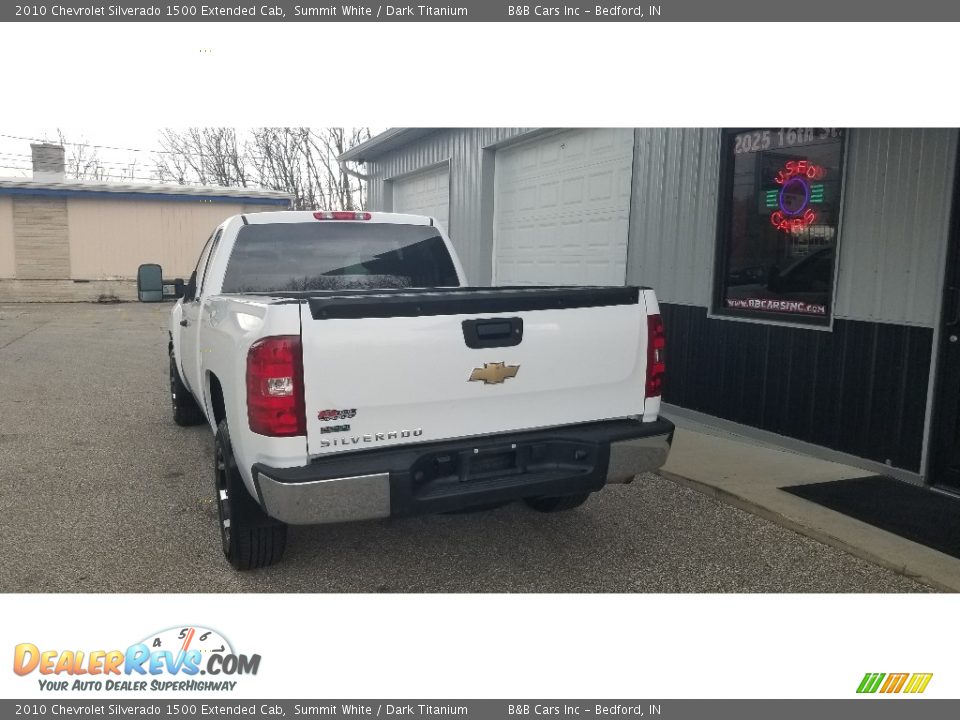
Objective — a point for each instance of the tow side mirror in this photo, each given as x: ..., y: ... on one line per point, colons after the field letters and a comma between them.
x: 150, y: 283
x: 179, y: 288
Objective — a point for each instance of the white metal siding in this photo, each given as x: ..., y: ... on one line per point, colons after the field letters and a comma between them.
x: 892, y: 243
x: 896, y: 216
x: 463, y: 148
x: 673, y: 214
x: 426, y: 193
x: 562, y: 206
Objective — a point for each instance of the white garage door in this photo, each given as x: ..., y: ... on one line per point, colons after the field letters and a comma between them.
x: 426, y: 193
x: 562, y: 207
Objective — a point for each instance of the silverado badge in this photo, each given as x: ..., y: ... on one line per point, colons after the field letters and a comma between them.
x: 493, y: 373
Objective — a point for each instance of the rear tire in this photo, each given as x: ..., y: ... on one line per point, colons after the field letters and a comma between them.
x: 557, y: 504
x: 250, y: 538
x: 186, y: 412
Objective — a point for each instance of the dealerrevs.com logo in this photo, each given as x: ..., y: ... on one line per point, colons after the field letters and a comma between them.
x: 173, y: 659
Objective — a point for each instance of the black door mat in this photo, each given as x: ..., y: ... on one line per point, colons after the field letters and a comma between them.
x: 912, y: 512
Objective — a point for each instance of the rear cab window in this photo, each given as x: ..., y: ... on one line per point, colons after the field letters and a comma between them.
x: 285, y: 257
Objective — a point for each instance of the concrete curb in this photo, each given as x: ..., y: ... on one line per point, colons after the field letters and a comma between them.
x: 801, y: 529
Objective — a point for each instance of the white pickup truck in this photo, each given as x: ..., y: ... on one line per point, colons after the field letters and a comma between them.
x: 348, y: 372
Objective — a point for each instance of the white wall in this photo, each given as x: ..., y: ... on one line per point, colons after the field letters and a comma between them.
x: 673, y: 213
x: 7, y: 258
x: 111, y: 238
x: 896, y: 217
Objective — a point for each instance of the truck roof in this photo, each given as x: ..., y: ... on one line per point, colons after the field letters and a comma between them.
x: 303, y: 216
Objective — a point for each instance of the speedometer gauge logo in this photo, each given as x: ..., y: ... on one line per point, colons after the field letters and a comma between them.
x: 184, y: 639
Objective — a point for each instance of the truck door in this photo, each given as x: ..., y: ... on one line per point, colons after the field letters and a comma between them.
x: 190, y: 321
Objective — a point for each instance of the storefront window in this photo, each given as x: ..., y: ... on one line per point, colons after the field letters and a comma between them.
x: 779, y: 217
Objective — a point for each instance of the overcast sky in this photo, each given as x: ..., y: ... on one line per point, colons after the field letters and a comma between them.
x: 15, y: 152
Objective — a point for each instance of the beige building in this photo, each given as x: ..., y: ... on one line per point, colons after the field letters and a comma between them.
x: 83, y: 241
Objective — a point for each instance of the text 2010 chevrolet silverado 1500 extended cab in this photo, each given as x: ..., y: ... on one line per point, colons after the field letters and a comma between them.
x: 349, y: 373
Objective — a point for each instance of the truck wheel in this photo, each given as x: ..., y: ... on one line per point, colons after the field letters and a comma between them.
x: 186, y: 412
x: 557, y: 504
x: 251, y: 539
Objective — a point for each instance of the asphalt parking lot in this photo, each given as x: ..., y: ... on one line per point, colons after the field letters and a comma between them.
x: 101, y: 492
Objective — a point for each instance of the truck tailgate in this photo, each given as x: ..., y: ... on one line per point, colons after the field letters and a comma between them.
x: 398, y: 367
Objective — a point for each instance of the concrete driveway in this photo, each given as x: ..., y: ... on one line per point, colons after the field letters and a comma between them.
x: 101, y: 492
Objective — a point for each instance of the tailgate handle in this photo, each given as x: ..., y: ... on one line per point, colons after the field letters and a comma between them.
x: 493, y: 332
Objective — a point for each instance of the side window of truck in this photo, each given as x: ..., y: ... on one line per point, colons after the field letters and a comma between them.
x: 191, y: 290
x: 203, y: 267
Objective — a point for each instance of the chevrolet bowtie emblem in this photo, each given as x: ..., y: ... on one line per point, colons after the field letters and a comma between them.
x: 493, y: 373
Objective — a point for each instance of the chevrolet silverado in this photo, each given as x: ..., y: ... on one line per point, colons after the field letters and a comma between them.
x: 348, y: 372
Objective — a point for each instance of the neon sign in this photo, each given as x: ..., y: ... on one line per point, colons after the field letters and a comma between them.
x: 791, y: 202
x: 800, y: 168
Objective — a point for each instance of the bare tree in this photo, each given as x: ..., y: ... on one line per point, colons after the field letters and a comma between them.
x: 83, y: 163
x: 301, y: 161
x: 348, y: 190
x: 279, y: 157
x: 209, y: 156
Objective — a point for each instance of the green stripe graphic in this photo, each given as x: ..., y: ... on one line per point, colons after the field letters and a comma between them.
x: 871, y: 682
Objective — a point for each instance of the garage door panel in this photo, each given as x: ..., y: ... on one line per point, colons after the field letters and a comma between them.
x: 527, y: 199
x: 550, y: 196
x: 602, y: 188
x: 533, y: 270
x: 572, y: 193
x: 426, y: 193
x: 561, y: 208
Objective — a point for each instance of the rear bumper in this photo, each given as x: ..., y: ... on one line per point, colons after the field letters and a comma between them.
x: 456, y: 475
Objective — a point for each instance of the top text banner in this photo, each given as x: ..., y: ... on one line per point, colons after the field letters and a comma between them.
x: 487, y: 11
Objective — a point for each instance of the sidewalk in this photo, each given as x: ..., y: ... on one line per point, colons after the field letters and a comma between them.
x: 749, y: 475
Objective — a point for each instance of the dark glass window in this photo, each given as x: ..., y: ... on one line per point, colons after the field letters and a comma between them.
x: 337, y: 256
x: 779, y: 218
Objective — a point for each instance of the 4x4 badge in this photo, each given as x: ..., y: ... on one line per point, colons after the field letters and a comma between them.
x: 493, y: 373
x: 328, y: 415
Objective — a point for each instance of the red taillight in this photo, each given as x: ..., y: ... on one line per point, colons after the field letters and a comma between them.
x: 656, y: 345
x: 341, y: 215
x: 275, y: 387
